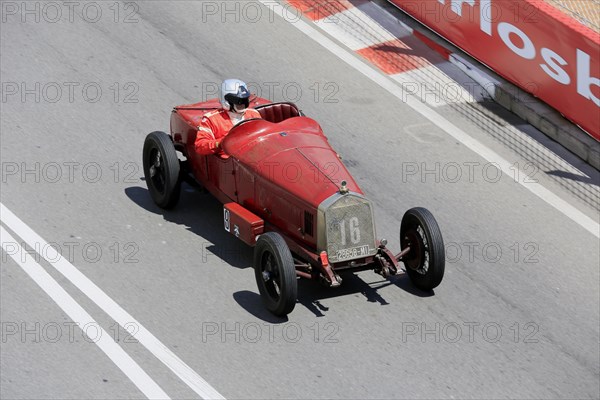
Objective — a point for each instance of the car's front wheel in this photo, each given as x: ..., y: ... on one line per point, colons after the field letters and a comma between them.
x: 425, y: 262
x: 161, y: 169
x: 275, y: 273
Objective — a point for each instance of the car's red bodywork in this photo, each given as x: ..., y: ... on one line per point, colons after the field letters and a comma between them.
x: 281, y: 171
x: 286, y: 191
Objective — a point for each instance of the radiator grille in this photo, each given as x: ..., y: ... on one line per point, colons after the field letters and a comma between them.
x: 349, y: 229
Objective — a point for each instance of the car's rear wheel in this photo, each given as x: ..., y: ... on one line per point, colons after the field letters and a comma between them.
x: 161, y: 169
x: 275, y: 273
x: 425, y: 263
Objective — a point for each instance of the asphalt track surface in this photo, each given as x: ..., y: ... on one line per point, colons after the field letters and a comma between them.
x: 517, y: 314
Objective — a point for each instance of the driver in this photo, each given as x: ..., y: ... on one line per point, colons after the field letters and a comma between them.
x: 235, y: 99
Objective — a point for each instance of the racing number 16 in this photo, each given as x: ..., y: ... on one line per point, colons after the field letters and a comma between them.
x: 354, y: 231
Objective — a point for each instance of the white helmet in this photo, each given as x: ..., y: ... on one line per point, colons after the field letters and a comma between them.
x: 235, y: 96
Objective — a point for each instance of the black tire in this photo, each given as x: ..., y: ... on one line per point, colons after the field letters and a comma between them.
x: 161, y: 169
x: 279, y: 288
x: 425, y: 263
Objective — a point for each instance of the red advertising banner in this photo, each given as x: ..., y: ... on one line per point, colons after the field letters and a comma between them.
x: 529, y: 43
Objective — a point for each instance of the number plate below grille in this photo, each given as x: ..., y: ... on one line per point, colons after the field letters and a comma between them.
x: 347, y: 254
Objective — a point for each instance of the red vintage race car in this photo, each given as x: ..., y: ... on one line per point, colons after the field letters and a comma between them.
x: 286, y: 192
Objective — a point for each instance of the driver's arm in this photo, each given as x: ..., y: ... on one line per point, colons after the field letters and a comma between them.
x: 206, y: 143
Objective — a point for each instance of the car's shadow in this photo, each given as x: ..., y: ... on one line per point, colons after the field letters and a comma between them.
x: 310, y: 294
x: 201, y: 214
x: 253, y: 304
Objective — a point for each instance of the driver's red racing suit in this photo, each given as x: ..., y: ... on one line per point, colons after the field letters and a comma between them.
x: 213, y: 128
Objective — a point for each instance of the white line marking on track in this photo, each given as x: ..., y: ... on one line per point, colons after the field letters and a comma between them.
x: 104, y: 341
x: 342, y: 26
x: 109, y: 306
x: 386, y: 20
x: 382, y: 80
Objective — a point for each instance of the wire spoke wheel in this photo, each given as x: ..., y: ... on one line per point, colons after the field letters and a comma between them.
x: 157, y: 172
x: 161, y: 169
x: 271, y: 276
x: 425, y: 263
x: 275, y: 273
